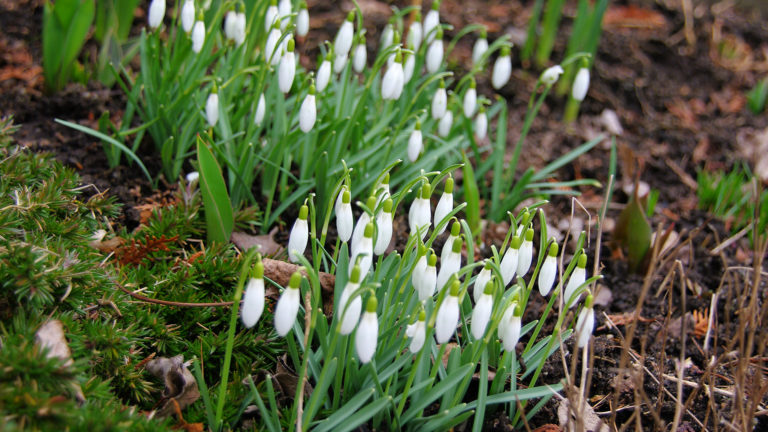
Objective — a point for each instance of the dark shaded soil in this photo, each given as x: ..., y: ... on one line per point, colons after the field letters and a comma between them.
x: 681, y: 105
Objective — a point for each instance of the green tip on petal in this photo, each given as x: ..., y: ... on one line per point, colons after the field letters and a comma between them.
x: 590, y: 301
x: 295, y: 280
x: 455, y: 287
x: 355, y: 277
x: 351, y: 16
x: 258, y: 272
x: 303, y: 212
x: 455, y: 228
x: 432, y: 260
x: 529, y: 234
x: 369, y: 230
x: 456, y: 246
x: 488, y: 288
x: 388, y: 205
x: 515, y: 242
x: 449, y: 185
x: 582, y: 263
x: 371, y: 202
x: 422, y: 315
x: 370, y: 306
x: 553, y: 249
x: 346, y: 197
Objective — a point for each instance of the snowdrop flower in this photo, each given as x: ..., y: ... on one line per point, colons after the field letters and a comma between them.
x: 287, y: 70
x: 548, y: 271
x: 502, y: 69
x: 419, y: 214
x: 470, y: 99
x: 415, y: 143
x: 448, y: 315
x: 284, y: 10
x: 344, y: 220
x: 482, y: 279
x: 419, y: 268
x: 271, y: 53
x: 212, y: 108
x: 239, y: 28
x: 551, y: 74
x: 408, y: 66
x: 367, y: 332
x: 191, y: 178
x: 428, y: 281
x: 271, y: 15
x: 261, y: 108
x: 302, y: 20
x: 384, y: 226
x: 360, y: 55
x: 444, y: 127
x: 481, y: 124
x: 415, y: 32
x: 349, y: 306
x: 362, y: 221
x: 382, y: 190
x: 339, y: 62
x: 432, y: 22
x: 585, y: 324
x: 440, y: 102
x: 480, y: 47
x: 344, y: 37
x: 365, y: 250
x: 578, y: 276
x: 451, y: 265
x: 156, y: 13
x: 253, y: 300
x: 198, y: 36
x: 188, y: 15
x: 509, y: 262
x: 481, y: 314
x: 395, y: 41
x: 417, y: 332
x: 445, y: 205
x: 288, y: 306
x: 392, y: 83
x: 525, y: 255
x: 455, y: 231
x: 308, y: 111
x: 297, y: 242
x: 580, y: 84
x: 230, y: 25
x: 510, y: 327
x: 435, y: 52
x: 324, y: 72
x: 387, y: 36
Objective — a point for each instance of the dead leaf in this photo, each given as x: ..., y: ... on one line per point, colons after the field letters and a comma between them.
x: 604, y: 296
x: 51, y: 336
x: 675, y: 326
x: 633, y: 17
x: 265, y: 244
x: 624, y: 319
x: 180, y: 385
x: 590, y: 421
x: 701, y: 322
x: 548, y: 428
x: 107, y: 246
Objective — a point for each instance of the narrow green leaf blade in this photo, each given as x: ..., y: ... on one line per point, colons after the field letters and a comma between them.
x: 218, y: 210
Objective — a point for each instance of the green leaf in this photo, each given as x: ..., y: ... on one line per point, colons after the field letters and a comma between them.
x: 757, y: 96
x: 471, y: 197
x: 346, y: 411
x: 218, y: 210
x: 634, y: 232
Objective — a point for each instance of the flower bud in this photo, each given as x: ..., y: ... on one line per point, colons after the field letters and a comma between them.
x: 480, y: 47
x: 481, y: 124
x: 360, y: 55
x: 287, y: 69
x: 548, y: 270
x: 578, y: 277
x: 324, y: 73
x: 551, y: 74
x: 440, y: 102
x: 392, y: 83
x: 271, y: 53
x: 502, y: 69
x: 509, y: 262
x: 339, y: 62
x: 417, y: 332
x: 448, y: 315
x: 419, y: 268
x: 284, y: 11
x: 585, y: 324
x: 510, y: 327
x: 415, y: 143
x: 580, y: 84
x: 344, y: 37
x: 198, y: 36
x: 261, y: 108
x: 344, y: 219
x: 288, y: 306
x: 349, y: 307
x: 230, y: 25
x: 362, y: 222
x: 435, y: 53
x: 408, y: 66
x: 297, y: 242
x: 302, y: 20
x: 444, y: 205
x: 308, y: 111
x: 239, y: 28
x: 367, y: 332
x: 444, y: 127
x: 365, y: 250
x: 481, y: 281
x: 384, y: 225
x: 470, y: 99
x: 253, y: 300
x: 212, y: 108
x: 525, y: 255
x: 188, y: 15
x: 451, y: 265
x: 455, y: 231
x: 428, y: 281
x: 271, y: 15
x: 481, y: 314
x: 419, y: 214
x: 415, y: 33
x: 432, y: 22
x: 156, y: 13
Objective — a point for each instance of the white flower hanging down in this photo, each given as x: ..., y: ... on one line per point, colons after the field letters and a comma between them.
x: 420, y: 212
x: 350, y: 306
x: 448, y: 245
x: 188, y: 15
x: 340, y: 62
x: 362, y: 221
x: 415, y: 33
x: 481, y: 314
x: 509, y: 262
x: 417, y: 332
x: 470, y: 99
x: 408, y: 65
x: 212, y: 108
x: 482, y: 279
x: 445, y: 124
x: 302, y: 20
x: 387, y: 36
x: 239, y: 29
x: 580, y: 84
x: 415, y: 143
x: 156, y: 13
x: 585, y: 324
x: 365, y: 250
x: 448, y: 315
x: 287, y: 70
x: 344, y: 220
x: 343, y: 42
x: 548, y: 270
x: 481, y: 124
x: 288, y: 306
x: 510, y: 327
x: 308, y: 111
x: 432, y: 22
x: 198, y: 36
x: 324, y: 72
x: 578, y: 276
x: 480, y: 47
x: 230, y: 24
x: 439, y: 102
x: 253, y: 300
x: 297, y: 242
x: 525, y: 255
x: 284, y: 11
x: 360, y: 55
x: 384, y: 226
x: 428, y: 281
x: 444, y: 205
x: 550, y: 75
x: 270, y: 17
x: 392, y: 83
x: 261, y: 109
x: 451, y: 265
x: 419, y: 268
x: 367, y: 332
x: 502, y: 69
x: 435, y: 52
x: 271, y: 53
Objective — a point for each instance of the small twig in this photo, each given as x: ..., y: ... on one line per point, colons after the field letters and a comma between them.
x: 730, y: 240
x: 711, y: 321
x: 166, y: 302
x: 684, y: 176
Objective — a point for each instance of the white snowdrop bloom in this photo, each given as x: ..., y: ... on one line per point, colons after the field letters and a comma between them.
x: 288, y: 306
x: 392, y: 83
x: 510, y: 327
x: 308, y: 111
x: 432, y: 22
x: 382, y: 190
x: 551, y: 74
x: 525, y: 256
x: 198, y: 36
x: 481, y: 124
x: 502, y: 69
x: 297, y: 242
x: 585, y: 324
x: 239, y: 29
x: 428, y: 281
x: 344, y: 221
x: 287, y: 69
x: 420, y: 212
x: 384, y: 226
x: 548, y: 271
x: 482, y: 280
x: 415, y: 33
x: 481, y: 314
x: 480, y: 48
x: 212, y: 108
x: 271, y: 53
x: 367, y: 332
x: 408, y: 66
x: 440, y: 102
x: 470, y: 99
x: 395, y: 41
x: 253, y: 300
x: 188, y: 15
x: 365, y: 250
x: 270, y: 17
x: 360, y: 55
x: 444, y: 127
x: 387, y: 37
x: 451, y: 265
x: 578, y: 276
x: 349, y: 306
x: 343, y: 42
x: 580, y: 84
x: 448, y: 315
x: 284, y: 11
x: 509, y: 262
x: 156, y: 13
x: 435, y: 53
x: 191, y: 178
x: 261, y: 108
x: 417, y: 332
x: 230, y: 24
x: 339, y: 62
x: 324, y: 73
x: 362, y: 221
x: 419, y: 268
x: 448, y: 245
x: 415, y: 143
x: 302, y: 20
x: 444, y: 205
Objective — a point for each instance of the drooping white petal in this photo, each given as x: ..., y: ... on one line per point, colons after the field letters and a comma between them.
x: 229, y: 25
x: 439, y: 103
x: 261, y: 108
x: 344, y: 219
x: 339, y: 62
x: 302, y: 22
x: 156, y: 13
x: 253, y: 302
x: 509, y: 265
x: 212, y: 109
x: 428, y: 283
x: 512, y: 329
x: 448, y: 268
x: 384, y: 236
x: 431, y: 21
x: 585, y: 325
x: 392, y: 83
x: 470, y: 102
x: 524, y: 258
x: 270, y: 16
x: 286, y: 72
x: 480, y: 282
x: 415, y: 35
x: 343, y: 42
x: 447, y: 319
x: 481, y: 315
x: 188, y: 15
x: 364, y: 250
x: 297, y: 242
x: 239, y: 28
x: 419, y: 216
x: 444, y: 127
x: 286, y: 310
x: 323, y: 75
x: 578, y: 276
x: 447, y: 246
x: 357, y: 235
x: 547, y: 275
x: 359, y: 57
x: 481, y: 125
x: 443, y: 208
x: 551, y: 74
x: 418, y: 334
x: 580, y: 84
x: 480, y: 47
x: 366, y: 337
x: 387, y: 37
x: 415, y: 145
x: 434, y: 55
x: 502, y: 70
x: 307, y: 113
x: 410, y: 64
x: 350, y: 308
x: 284, y: 9
x: 418, y: 272
x: 270, y: 47
x: 198, y: 36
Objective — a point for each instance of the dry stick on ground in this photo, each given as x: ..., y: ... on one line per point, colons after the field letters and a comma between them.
x: 681, y: 363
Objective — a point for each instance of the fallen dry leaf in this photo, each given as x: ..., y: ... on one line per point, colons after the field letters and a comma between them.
x: 590, y: 421
x: 548, y: 428
x: 633, y: 17
x: 265, y: 244
x: 50, y: 335
x: 624, y: 319
x: 180, y: 385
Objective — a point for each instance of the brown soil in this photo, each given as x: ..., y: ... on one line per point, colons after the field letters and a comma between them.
x: 681, y: 103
